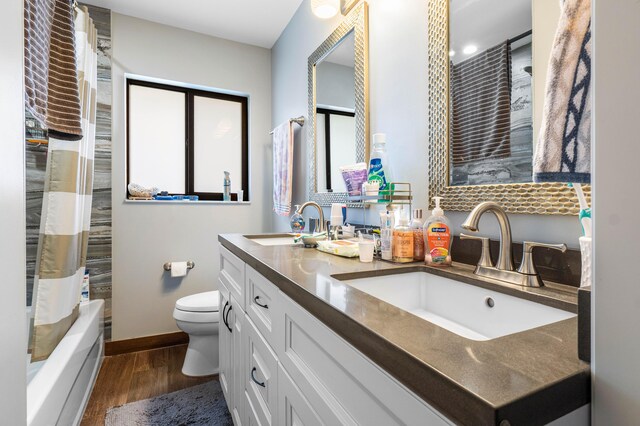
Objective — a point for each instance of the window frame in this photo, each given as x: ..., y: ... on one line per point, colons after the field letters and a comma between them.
x: 189, y: 141
x: 328, y: 112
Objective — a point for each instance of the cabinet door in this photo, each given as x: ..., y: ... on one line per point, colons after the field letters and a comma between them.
x: 261, y: 376
x: 236, y: 320
x: 336, y: 378
x: 232, y: 274
x: 293, y: 407
x: 226, y: 350
x: 263, y: 304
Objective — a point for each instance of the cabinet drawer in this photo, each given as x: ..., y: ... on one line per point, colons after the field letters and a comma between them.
x: 262, y: 303
x: 232, y: 274
x: 261, y: 376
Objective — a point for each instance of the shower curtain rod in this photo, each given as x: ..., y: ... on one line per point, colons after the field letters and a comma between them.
x: 297, y: 120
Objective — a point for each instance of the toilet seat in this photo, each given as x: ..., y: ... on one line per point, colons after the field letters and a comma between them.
x: 208, y: 301
x: 202, y: 317
x: 199, y: 307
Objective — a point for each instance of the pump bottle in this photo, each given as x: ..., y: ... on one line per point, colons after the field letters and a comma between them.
x: 437, y: 237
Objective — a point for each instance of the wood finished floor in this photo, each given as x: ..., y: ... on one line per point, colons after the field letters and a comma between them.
x: 135, y: 376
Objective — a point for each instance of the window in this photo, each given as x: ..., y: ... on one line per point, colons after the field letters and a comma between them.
x: 336, y: 133
x: 181, y: 140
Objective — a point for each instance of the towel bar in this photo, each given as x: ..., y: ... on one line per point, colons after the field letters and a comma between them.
x: 190, y: 265
x: 297, y: 120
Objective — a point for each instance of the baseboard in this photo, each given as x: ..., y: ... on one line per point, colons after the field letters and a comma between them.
x: 145, y: 343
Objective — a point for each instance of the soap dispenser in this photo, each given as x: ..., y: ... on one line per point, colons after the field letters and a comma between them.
x: 437, y: 237
x: 297, y: 221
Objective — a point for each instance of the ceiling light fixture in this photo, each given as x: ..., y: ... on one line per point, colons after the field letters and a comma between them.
x: 468, y: 50
x: 452, y: 53
x: 325, y: 9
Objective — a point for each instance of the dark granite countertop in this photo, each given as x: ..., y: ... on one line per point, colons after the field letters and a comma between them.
x: 526, y: 378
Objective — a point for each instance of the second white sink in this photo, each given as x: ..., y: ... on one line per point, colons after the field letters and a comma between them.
x: 464, y: 309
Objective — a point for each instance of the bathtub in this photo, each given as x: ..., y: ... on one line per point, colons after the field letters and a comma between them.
x: 58, y: 388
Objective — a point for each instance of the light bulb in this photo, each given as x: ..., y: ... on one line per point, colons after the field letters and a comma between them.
x: 468, y: 50
x: 325, y: 9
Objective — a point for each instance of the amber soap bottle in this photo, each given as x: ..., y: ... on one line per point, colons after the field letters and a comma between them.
x: 403, y: 242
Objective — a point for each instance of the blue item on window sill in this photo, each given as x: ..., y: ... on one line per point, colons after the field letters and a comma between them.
x: 176, y: 197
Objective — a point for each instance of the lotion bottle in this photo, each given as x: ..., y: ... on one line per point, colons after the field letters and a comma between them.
x: 418, y: 240
x: 437, y: 237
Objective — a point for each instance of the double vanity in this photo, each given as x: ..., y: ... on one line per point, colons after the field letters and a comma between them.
x: 311, y: 338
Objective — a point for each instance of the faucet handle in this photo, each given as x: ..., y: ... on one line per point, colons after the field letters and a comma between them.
x: 527, y: 266
x: 485, y: 256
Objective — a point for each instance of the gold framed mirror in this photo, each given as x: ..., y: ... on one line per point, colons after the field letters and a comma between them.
x: 521, y: 197
x: 338, y: 129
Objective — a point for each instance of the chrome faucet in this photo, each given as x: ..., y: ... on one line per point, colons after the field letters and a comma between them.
x: 322, y: 226
x: 505, y: 259
x: 526, y: 275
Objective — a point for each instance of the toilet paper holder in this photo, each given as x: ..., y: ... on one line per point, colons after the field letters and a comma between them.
x: 190, y: 265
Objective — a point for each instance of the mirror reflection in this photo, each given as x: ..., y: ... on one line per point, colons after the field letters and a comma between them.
x: 491, y: 126
x: 335, y: 115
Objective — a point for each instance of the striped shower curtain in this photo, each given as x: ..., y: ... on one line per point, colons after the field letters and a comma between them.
x: 66, y: 209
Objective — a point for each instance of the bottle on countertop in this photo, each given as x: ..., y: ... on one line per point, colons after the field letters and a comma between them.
x: 403, y: 241
x: 226, y: 194
x: 418, y: 240
x: 386, y: 235
x: 437, y: 237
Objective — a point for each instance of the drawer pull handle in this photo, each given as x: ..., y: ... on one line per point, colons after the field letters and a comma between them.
x: 226, y: 319
x: 265, y: 306
x: 254, y: 378
x: 224, y: 311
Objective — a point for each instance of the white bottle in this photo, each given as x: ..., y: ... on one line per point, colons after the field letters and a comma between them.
x: 379, y: 162
x: 84, y: 295
x: 226, y: 194
x: 386, y: 235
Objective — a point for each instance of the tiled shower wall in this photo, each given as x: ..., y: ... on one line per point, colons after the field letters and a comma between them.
x: 99, y: 254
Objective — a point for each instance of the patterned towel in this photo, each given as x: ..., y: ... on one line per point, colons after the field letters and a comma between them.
x: 50, y: 76
x: 282, y: 168
x: 563, y: 151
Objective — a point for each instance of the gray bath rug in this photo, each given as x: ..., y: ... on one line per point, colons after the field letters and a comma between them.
x: 201, y: 405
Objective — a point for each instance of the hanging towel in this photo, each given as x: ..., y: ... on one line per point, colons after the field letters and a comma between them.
x: 481, y: 101
x: 563, y: 151
x: 282, y: 168
x: 50, y: 76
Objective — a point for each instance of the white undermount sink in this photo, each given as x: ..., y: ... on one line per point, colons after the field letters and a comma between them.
x: 276, y: 240
x: 461, y: 308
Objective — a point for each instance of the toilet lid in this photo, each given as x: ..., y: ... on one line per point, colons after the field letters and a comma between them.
x: 200, y: 302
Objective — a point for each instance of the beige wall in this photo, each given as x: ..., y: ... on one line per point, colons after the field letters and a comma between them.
x: 146, y: 236
x: 13, y: 324
x: 545, y: 19
x: 398, y: 97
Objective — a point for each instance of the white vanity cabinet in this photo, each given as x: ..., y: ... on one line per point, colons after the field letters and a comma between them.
x: 279, y: 365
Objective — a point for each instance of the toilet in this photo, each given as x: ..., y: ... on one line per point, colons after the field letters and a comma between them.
x: 198, y: 316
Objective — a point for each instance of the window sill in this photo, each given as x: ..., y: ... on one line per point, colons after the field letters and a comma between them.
x: 181, y: 202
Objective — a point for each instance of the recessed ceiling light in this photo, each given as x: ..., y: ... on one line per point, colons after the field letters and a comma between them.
x: 452, y: 53
x: 325, y: 9
x: 468, y: 50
